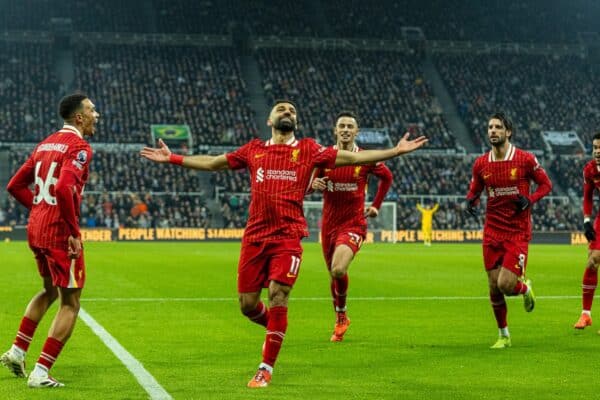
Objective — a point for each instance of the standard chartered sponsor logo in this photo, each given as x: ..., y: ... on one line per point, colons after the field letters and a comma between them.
x: 345, y: 187
x: 260, y: 175
x: 503, y: 191
x: 281, y: 175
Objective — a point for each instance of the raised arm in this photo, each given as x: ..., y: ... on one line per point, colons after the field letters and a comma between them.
x: 163, y: 154
x: 404, y: 146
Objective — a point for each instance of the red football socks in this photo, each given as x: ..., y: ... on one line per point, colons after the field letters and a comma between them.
x: 50, y: 352
x: 590, y: 281
x: 520, y: 288
x: 499, y: 307
x: 259, y: 315
x: 25, y: 333
x: 276, y: 328
x: 340, y: 288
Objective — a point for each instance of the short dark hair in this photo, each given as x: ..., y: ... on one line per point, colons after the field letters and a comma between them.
x: 279, y: 101
x: 596, y: 136
x: 347, y: 113
x: 505, y: 121
x: 70, y: 104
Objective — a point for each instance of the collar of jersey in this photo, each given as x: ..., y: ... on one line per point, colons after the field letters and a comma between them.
x: 508, y: 156
x: 291, y: 142
x: 71, y: 128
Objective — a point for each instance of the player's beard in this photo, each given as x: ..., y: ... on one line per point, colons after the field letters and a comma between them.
x: 285, y: 125
x: 499, y: 142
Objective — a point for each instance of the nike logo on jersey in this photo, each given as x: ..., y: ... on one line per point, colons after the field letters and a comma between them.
x: 487, y: 176
x: 260, y: 155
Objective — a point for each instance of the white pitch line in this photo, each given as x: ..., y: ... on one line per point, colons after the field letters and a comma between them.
x: 145, y: 379
x: 229, y: 299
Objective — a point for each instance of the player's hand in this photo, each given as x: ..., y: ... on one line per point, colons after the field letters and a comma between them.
x: 522, y: 203
x: 371, y: 212
x: 406, y: 146
x: 320, y: 183
x: 74, y: 250
x: 589, y: 232
x: 470, y: 207
x: 160, y: 154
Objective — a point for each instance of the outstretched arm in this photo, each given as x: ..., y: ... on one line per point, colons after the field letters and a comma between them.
x: 163, y: 154
x: 404, y: 146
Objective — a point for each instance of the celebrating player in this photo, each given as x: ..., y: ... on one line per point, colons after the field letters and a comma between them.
x: 280, y: 171
x: 344, y: 215
x: 591, y: 181
x: 58, y: 167
x: 506, y: 173
x: 427, y: 221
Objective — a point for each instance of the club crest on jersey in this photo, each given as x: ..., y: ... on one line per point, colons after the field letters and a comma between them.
x: 295, y: 154
x: 513, y: 173
x: 357, y: 171
x: 82, y: 157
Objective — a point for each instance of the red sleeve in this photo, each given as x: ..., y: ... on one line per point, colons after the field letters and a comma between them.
x: 543, y: 181
x: 385, y: 182
x: 18, y: 186
x: 72, y: 175
x: 65, y: 192
x: 238, y: 159
x: 588, y: 195
x: 477, y: 184
x: 324, y: 157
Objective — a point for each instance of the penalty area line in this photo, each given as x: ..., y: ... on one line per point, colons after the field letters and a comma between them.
x: 145, y: 379
x: 294, y: 299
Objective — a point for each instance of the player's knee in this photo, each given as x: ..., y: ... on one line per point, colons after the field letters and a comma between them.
x: 247, y: 306
x: 593, y: 261
x: 72, y: 304
x: 505, y: 286
x: 337, y: 272
x: 278, y: 298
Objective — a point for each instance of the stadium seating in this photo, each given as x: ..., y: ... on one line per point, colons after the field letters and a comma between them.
x: 534, y: 90
x: 136, y: 86
x: 29, y: 92
x: 384, y: 88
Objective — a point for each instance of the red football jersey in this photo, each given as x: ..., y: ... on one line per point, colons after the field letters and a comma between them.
x: 591, y: 181
x: 344, y: 198
x: 280, y: 175
x: 65, y: 150
x: 503, y: 181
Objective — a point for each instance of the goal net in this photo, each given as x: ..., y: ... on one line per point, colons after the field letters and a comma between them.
x: 385, y: 221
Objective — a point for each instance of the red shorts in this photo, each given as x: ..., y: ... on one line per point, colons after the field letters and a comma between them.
x: 263, y: 262
x: 509, y: 254
x: 65, y: 272
x: 332, y: 240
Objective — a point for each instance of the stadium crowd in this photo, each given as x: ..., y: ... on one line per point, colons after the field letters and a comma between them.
x: 136, y: 86
x: 525, y: 86
x: 28, y: 92
x: 390, y: 91
x: 523, y: 21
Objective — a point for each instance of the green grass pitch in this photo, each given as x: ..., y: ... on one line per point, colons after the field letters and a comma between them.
x: 421, y: 327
